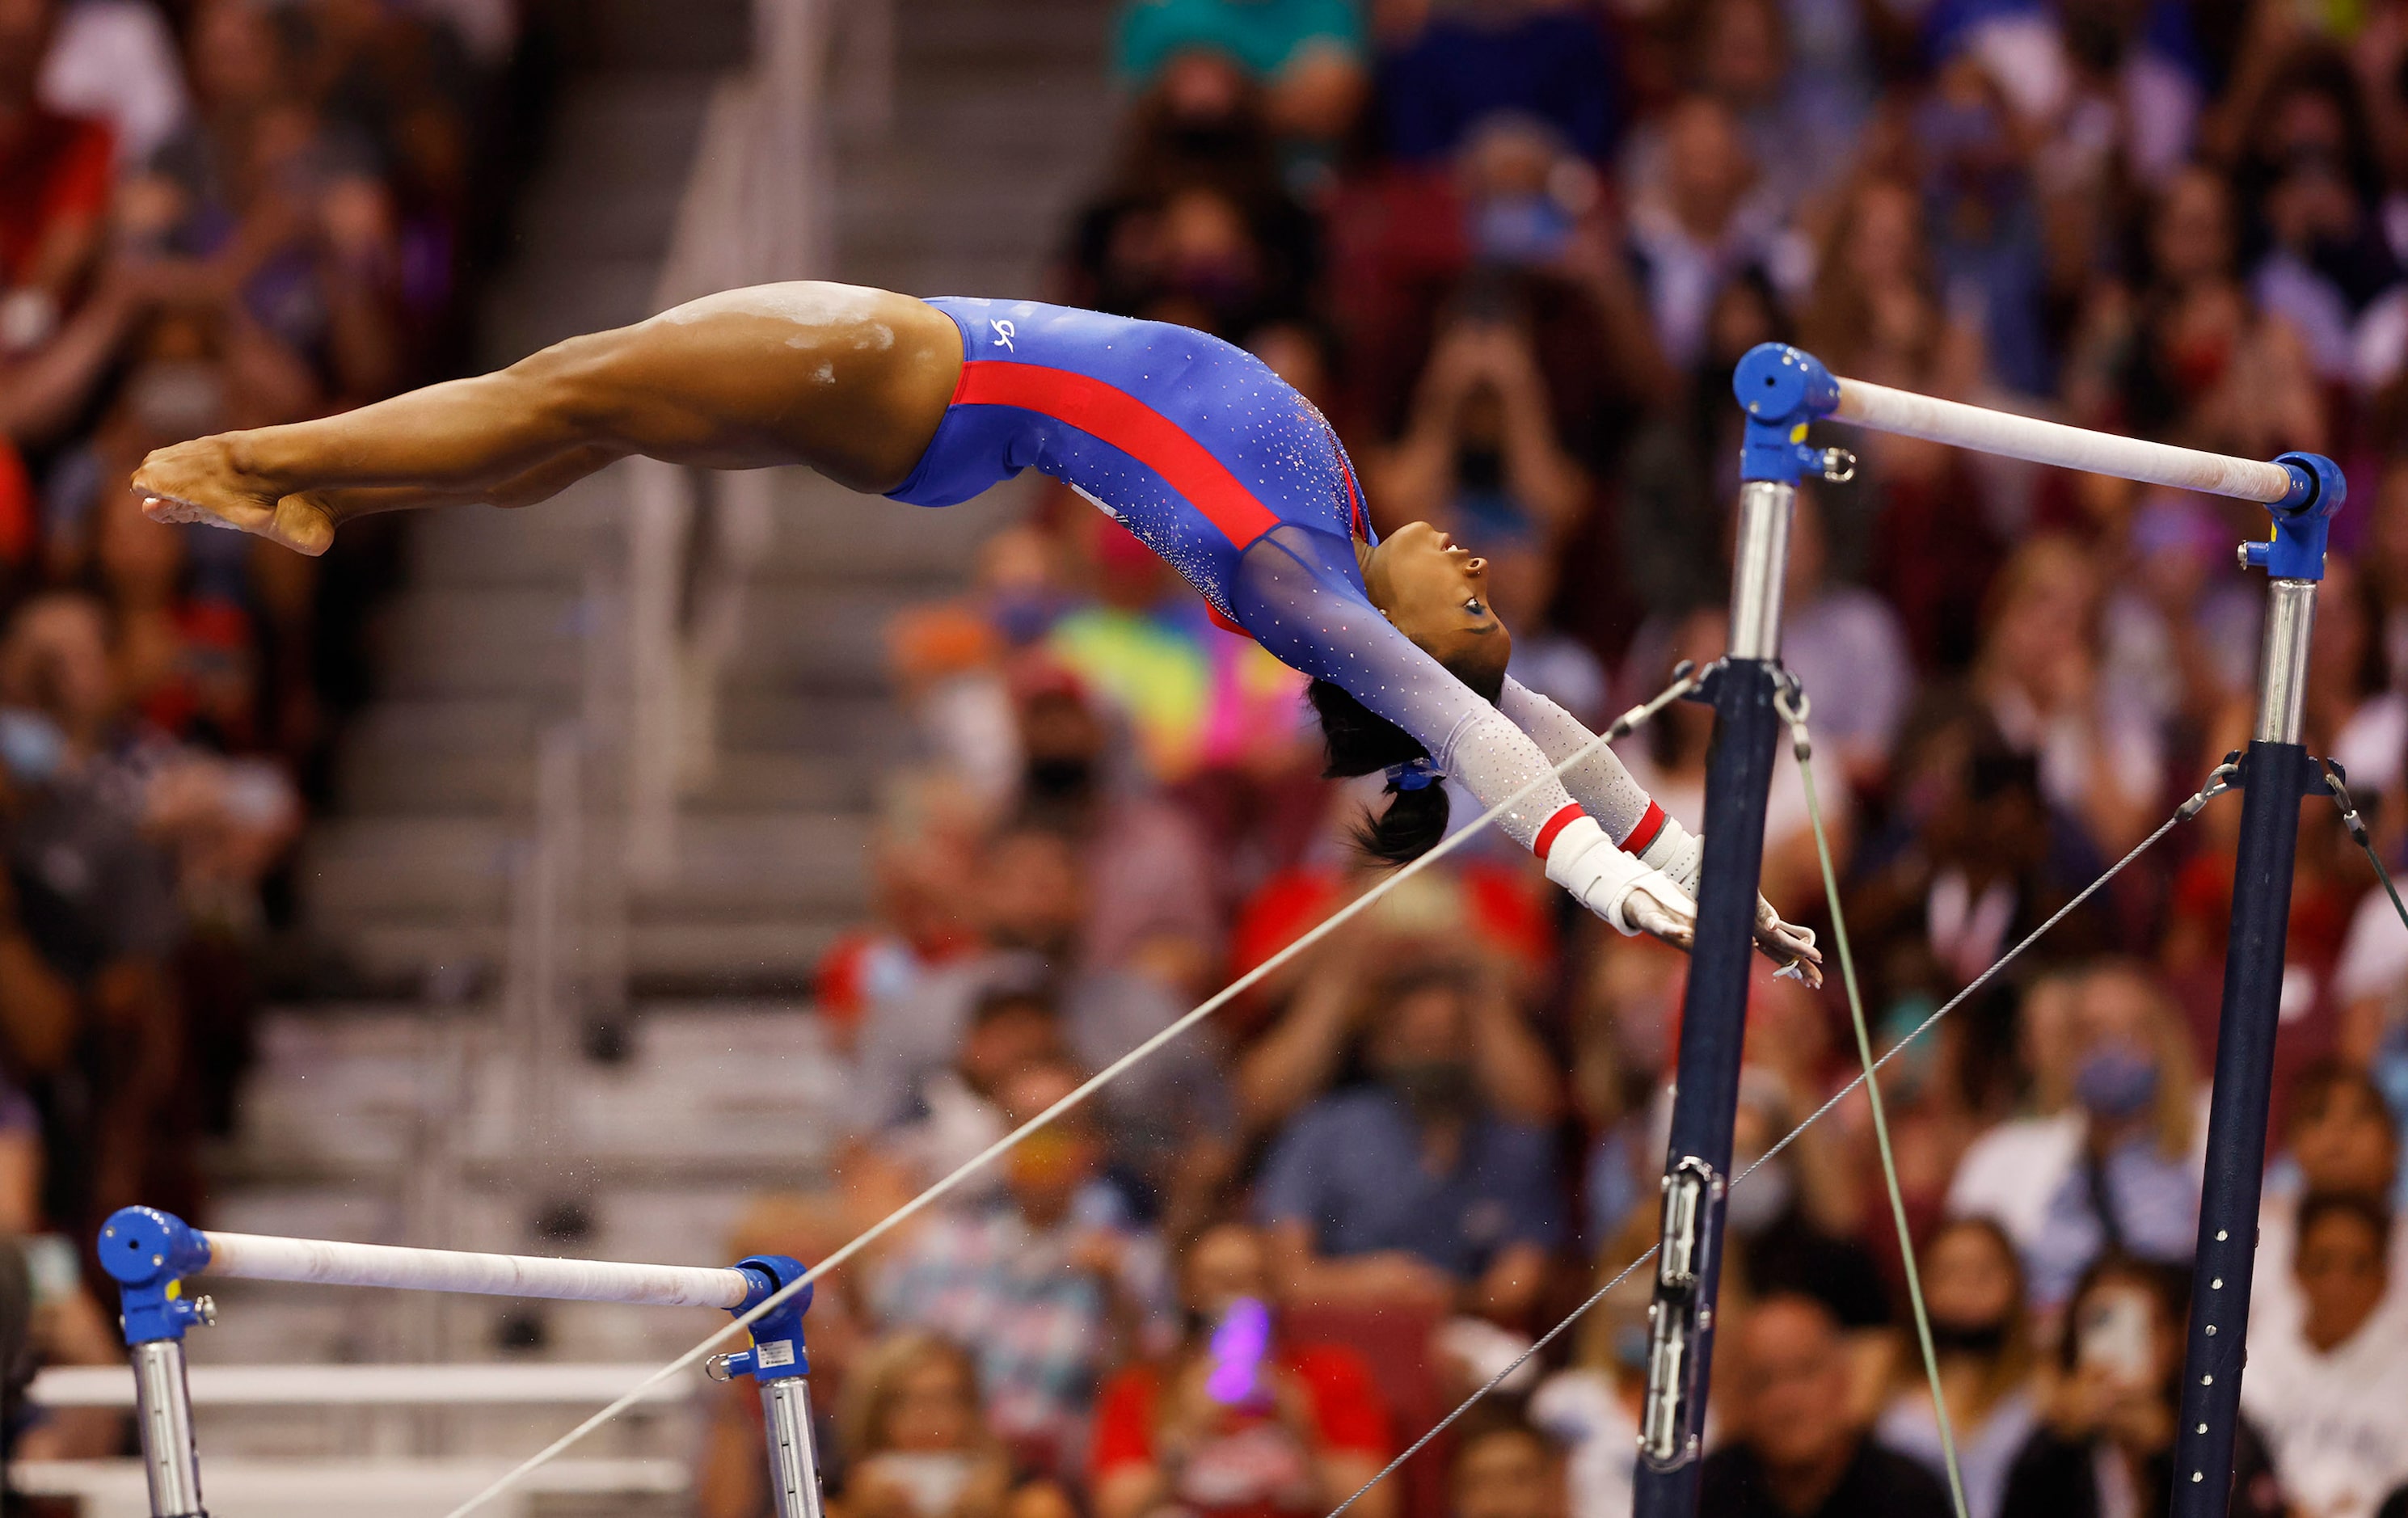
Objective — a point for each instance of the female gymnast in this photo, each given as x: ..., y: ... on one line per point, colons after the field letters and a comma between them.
x: 1192, y: 444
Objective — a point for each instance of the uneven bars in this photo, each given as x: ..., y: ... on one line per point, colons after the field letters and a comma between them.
x: 2030, y: 438
x: 327, y: 1262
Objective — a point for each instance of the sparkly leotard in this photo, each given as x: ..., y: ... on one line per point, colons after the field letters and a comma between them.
x: 1224, y: 470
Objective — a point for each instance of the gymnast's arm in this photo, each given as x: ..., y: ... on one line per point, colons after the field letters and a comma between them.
x: 1298, y: 591
x: 849, y: 381
x: 1605, y: 789
x: 1601, y: 785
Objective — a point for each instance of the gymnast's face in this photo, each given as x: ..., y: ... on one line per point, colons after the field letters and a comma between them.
x: 1436, y: 592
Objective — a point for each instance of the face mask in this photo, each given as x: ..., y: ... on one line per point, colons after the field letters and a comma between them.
x: 1209, y: 138
x: 1630, y: 1345
x: 1520, y: 230
x: 1059, y: 779
x: 1023, y: 617
x: 932, y: 1479
x: 1480, y: 470
x: 1765, y: 1199
x: 1984, y: 1339
x: 177, y: 397
x: 2115, y: 1081
x: 31, y: 746
x: 1433, y: 1088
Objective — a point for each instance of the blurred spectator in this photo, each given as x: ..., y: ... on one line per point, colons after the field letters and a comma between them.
x: 1592, y: 1407
x: 1794, y: 1451
x: 1505, y: 1467
x: 2331, y: 1399
x: 916, y: 1444
x: 115, y: 61
x: 2340, y: 1138
x: 276, y: 207
x: 2107, y: 1439
x: 1973, y: 1293
x: 919, y: 863
x: 2188, y: 356
x: 1801, y: 125
x: 2311, y: 182
x: 1974, y: 143
x: 1152, y: 876
x: 1365, y: 976
x: 1050, y: 1286
x: 1973, y: 860
x: 2114, y: 1175
x: 1413, y: 1187
x: 94, y: 1023
x: 54, y: 186
x: 1847, y: 649
x: 1667, y: 759
x: 1704, y: 220
x: 956, y: 1114
x: 1479, y: 457
x: 1308, y: 54
x: 1196, y: 224
x: 2179, y: 637
x: 1031, y: 898
x: 2038, y: 673
x: 1447, y: 68
x: 1794, y: 1230
x: 1240, y: 1421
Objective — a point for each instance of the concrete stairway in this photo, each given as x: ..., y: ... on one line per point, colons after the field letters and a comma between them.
x: 1001, y: 116
x: 391, y: 1118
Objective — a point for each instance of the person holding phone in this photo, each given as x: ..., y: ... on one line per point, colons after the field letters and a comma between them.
x: 1240, y: 1422
x: 2105, y: 1447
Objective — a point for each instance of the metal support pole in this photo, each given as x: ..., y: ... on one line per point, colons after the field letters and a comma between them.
x: 171, y: 1456
x: 1714, y: 1020
x: 793, y: 1459
x: 1776, y: 387
x: 2275, y: 773
x: 149, y: 1254
x: 779, y: 1363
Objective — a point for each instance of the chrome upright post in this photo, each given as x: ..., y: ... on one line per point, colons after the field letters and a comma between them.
x: 2283, y: 662
x: 162, y: 1403
x: 793, y: 1459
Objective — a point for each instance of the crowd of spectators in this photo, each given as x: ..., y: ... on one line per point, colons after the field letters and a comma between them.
x: 1511, y: 249
x: 213, y: 214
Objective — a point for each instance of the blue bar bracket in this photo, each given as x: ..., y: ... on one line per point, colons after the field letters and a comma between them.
x: 149, y: 1254
x: 776, y: 1352
x: 1783, y: 390
x: 2301, y: 519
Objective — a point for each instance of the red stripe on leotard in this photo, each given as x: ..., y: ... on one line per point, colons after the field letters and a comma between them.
x: 1644, y: 834
x: 1563, y: 817
x: 1115, y: 417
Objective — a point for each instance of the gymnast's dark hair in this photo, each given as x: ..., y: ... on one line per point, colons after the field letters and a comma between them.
x: 1361, y: 742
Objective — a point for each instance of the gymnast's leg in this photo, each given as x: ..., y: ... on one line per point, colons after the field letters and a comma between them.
x: 848, y: 380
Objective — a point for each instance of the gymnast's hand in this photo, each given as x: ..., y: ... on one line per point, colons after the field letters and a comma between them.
x: 201, y: 481
x: 1673, y: 922
x: 1631, y: 895
x: 1789, y: 946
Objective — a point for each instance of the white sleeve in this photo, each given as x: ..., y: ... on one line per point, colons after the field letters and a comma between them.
x: 1601, y: 785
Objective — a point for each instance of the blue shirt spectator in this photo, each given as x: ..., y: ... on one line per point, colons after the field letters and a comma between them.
x: 1550, y: 63
x: 1264, y: 36
x: 1354, y: 1167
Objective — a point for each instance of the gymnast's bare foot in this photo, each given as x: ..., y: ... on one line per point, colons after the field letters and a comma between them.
x: 200, y: 481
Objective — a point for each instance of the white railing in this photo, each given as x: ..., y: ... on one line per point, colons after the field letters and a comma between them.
x: 760, y: 206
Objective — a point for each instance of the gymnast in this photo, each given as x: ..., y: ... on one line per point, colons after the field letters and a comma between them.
x: 1192, y: 444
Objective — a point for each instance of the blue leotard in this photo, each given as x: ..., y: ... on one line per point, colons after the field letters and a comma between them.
x: 1223, y: 469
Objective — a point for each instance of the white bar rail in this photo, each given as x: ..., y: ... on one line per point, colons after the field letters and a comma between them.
x: 259, y: 1257
x: 2030, y: 438
x: 547, y: 1383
